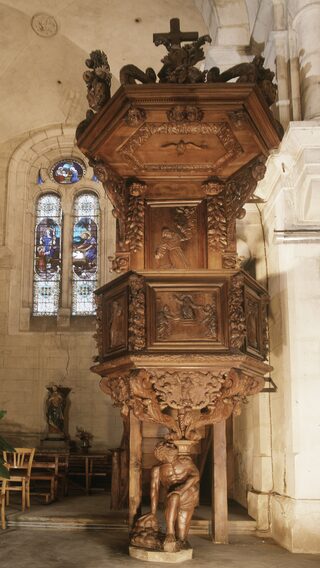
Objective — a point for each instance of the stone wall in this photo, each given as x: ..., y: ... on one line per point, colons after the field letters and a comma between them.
x: 38, y: 351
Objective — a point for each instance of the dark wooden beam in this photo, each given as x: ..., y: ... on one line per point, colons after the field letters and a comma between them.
x: 219, y: 485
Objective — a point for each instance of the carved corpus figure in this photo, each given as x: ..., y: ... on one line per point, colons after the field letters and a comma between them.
x: 180, y: 479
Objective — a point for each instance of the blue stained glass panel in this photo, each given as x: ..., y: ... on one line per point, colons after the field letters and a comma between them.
x: 85, y: 254
x: 47, y: 256
x: 67, y: 171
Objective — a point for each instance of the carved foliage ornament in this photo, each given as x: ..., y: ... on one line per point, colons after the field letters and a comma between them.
x: 200, y: 397
x: 237, y: 321
x: 135, y: 223
x: 186, y: 113
x: 112, y: 182
x: 242, y: 185
x: 119, y: 263
x: 98, y: 336
x: 137, y: 324
x: 221, y: 130
x: 44, y: 25
x: 98, y: 80
x: 217, y: 223
x: 225, y: 202
x: 135, y: 116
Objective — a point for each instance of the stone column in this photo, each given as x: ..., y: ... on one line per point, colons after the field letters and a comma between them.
x: 280, y: 36
x: 291, y: 219
x: 306, y: 24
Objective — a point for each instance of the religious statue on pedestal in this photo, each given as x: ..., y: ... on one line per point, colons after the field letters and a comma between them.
x: 55, y: 410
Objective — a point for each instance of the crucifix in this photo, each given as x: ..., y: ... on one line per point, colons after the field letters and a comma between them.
x: 175, y: 36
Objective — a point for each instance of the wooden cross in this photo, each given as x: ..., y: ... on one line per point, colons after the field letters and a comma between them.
x: 175, y: 36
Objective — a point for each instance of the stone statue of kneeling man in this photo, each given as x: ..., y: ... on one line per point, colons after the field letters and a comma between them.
x: 180, y: 478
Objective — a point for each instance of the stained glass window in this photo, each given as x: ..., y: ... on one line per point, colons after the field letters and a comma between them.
x: 67, y: 171
x: 84, y: 253
x: 47, y: 256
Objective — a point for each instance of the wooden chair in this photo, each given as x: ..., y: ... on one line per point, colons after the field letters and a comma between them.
x: 20, y: 463
x: 3, y: 502
x: 50, y: 467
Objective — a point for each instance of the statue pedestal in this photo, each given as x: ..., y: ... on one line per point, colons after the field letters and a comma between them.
x: 160, y: 555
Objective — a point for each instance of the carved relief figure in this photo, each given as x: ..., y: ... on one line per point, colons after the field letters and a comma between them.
x: 180, y: 478
x: 117, y: 324
x: 163, y: 322
x: 169, y: 252
x: 210, y: 319
x: 187, y: 307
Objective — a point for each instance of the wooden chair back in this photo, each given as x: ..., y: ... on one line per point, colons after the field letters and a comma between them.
x: 22, y: 458
x: 3, y: 485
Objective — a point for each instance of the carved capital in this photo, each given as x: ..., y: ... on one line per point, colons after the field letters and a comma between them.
x: 212, y: 186
x: 119, y: 263
x: 229, y: 260
x: 137, y: 188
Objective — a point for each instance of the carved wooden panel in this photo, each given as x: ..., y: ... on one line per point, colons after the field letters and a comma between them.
x: 175, y: 144
x: 175, y: 231
x: 255, y: 302
x: 255, y: 324
x: 186, y: 317
x: 115, y: 322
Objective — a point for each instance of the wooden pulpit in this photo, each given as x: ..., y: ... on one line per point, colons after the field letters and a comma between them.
x: 182, y: 331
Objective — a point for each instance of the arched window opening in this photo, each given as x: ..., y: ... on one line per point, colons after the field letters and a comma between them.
x: 85, y: 253
x: 47, y: 256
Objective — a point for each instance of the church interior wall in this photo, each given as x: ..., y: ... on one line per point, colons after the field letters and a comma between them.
x: 276, y: 437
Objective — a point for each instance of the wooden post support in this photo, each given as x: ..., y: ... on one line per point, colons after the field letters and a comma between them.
x: 219, y: 485
x: 135, y: 468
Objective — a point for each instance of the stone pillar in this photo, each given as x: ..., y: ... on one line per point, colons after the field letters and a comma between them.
x: 306, y: 24
x: 280, y: 36
x: 292, y: 218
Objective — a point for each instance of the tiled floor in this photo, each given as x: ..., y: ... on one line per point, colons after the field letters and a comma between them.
x: 22, y: 547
